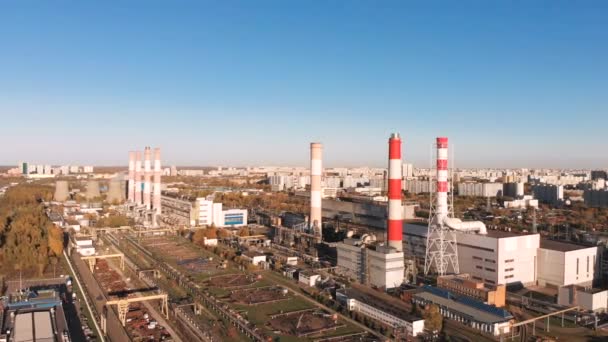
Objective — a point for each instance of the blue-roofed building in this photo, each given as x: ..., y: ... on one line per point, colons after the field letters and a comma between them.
x: 471, y: 312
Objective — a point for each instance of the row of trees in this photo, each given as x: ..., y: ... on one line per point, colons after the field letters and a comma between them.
x: 29, y: 241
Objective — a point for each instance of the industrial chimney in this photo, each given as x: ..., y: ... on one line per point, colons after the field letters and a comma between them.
x: 147, y: 177
x: 138, y: 177
x: 395, y: 209
x: 157, y: 171
x: 316, y: 170
x: 441, y: 210
x: 131, y: 182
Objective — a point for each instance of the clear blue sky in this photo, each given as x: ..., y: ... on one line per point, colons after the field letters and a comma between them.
x: 516, y: 84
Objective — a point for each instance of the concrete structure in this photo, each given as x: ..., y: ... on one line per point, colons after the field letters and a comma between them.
x: 475, y: 314
x: 131, y: 179
x: 395, y: 209
x: 596, y: 198
x: 29, y: 316
x: 201, y: 212
x: 62, y: 191
x: 157, y: 182
x: 515, y: 190
x: 525, y: 202
x: 563, y: 264
x: 308, y: 278
x: 463, y: 284
x: 589, y: 299
x: 92, y: 190
x: 494, y: 258
x: 386, y: 312
x: 316, y: 171
x: 83, y: 245
x: 147, y: 178
x: 371, y: 263
x: 480, y: 189
x: 115, y: 193
x: 138, y: 175
x: 548, y: 193
x: 254, y: 257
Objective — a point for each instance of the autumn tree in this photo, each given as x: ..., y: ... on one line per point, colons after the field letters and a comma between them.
x: 433, y: 320
x: 56, y: 240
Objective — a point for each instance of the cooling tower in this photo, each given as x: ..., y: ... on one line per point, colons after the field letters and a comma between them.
x: 62, y: 191
x: 115, y: 192
x: 92, y: 189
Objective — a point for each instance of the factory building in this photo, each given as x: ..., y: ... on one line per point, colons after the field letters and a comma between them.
x: 464, y: 284
x: 33, y: 316
x: 200, y: 212
x: 475, y: 314
x: 480, y: 189
x: 380, y: 310
x: 503, y: 258
x: 522, y: 203
x: 589, y: 299
x: 563, y: 264
x: 548, y: 193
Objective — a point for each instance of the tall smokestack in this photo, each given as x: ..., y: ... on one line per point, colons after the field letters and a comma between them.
x: 156, y: 201
x: 138, y: 177
x: 316, y: 170
x: 131, y: 184
x: 395, y: 209
x: 147, y: 176
x: 441, y: 210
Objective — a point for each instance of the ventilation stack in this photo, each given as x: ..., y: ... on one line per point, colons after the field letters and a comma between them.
x: 441, y: 206
x: 157, y: 173
x: 395, y: 208
x: 138, y: 177
x: 115, y: 194
x: 316, y: 170
x: 92, y: 190
x: 131, y: 181
x: 147, y: 177
x: 62, y: 191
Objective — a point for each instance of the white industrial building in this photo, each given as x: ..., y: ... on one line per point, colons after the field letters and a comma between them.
x: 589, y: 299
x: 563, y: 264
x: 380, y: 310
x: 308, y: 278
x: 371, y: 263
x: 523, y: 203
x: 506, y: 258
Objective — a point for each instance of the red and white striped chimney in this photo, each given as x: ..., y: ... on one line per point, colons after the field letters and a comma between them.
x: 441, y: 207
x: 156, y: 200
x: 395, y: 209
x: 316, y: 170
x: 147, y: 180
x: 131, y: 183
x: 138, y: 177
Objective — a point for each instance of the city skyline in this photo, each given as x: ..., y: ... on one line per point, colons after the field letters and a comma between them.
x: 237, y: 85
